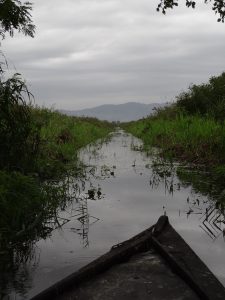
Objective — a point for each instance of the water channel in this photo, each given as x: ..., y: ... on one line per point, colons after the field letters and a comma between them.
x: 123, y: 194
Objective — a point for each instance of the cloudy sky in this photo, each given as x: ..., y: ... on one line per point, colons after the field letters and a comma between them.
x: 91, y: 52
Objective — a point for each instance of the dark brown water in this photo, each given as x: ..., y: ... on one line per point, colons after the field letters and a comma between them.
x: 122, y: 196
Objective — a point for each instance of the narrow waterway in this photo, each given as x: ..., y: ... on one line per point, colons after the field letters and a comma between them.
x: 123, y: 193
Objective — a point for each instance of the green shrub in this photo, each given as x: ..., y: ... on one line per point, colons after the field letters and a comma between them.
x: 205, y: 99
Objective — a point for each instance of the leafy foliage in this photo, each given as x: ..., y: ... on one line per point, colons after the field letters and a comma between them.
x: 218, y: 6
x: 15, y: 15
x: 205, y: 99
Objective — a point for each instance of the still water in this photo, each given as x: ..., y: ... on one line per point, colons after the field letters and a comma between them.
x: 124, y: 192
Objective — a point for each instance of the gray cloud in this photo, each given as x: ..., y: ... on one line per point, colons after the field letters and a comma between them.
x: 90, y: 52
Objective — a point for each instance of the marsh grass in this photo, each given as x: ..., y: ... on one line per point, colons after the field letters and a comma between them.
x: 190, y: 138
x: 192, y: 129
x: 61, y: 137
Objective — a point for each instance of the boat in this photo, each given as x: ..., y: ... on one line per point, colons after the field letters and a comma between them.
x: 155, y: 264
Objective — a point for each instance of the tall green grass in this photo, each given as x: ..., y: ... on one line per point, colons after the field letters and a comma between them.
x: 193, y: 138
x: 60, y: 137
x: 191, y: 129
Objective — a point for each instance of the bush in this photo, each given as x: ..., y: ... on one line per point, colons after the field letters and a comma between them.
x: 205, y: 99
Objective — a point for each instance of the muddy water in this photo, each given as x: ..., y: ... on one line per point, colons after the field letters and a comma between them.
x: 124, y: 192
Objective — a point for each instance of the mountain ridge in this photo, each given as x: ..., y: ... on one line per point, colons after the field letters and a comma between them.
x: 125, y: 112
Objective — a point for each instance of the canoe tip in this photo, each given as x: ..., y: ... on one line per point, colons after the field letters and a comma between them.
x: 160, y: 224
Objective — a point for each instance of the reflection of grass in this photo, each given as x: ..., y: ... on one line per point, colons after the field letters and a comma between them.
x: 162, y: 172
x: 202, y: 182
x: 28, y: 212
x: 27, y: 209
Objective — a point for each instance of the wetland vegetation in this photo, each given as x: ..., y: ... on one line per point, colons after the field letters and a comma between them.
x: 38, y: 153
x: 191, y: 129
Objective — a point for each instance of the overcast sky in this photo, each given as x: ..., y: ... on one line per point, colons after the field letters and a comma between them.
x: 91, y: 52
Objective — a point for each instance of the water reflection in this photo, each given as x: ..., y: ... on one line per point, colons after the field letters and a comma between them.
x: 85, y: 220
x: 210, y: 210
x: 14, y: 273
x: 118, y: 191
x: 19, y: 258
x: 81, y: 191
x: 163, y: 173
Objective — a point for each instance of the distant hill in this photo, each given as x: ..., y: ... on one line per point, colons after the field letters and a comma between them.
x: 116, y: 112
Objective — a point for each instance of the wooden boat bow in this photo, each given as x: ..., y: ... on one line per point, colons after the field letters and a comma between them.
x: 161, y: 237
